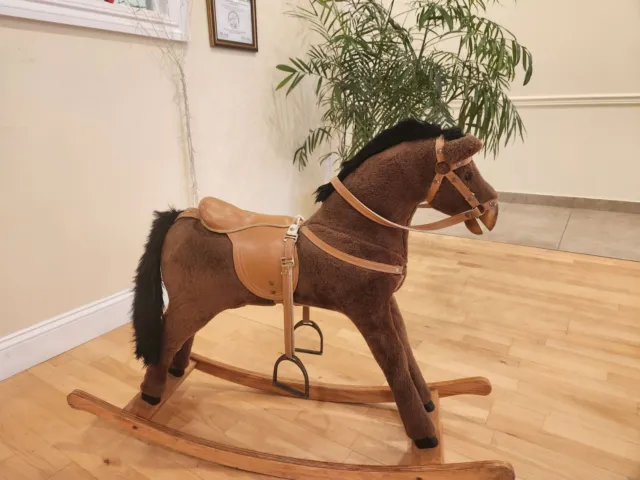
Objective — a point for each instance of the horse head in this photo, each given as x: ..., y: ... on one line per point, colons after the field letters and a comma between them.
x: 416, y: 165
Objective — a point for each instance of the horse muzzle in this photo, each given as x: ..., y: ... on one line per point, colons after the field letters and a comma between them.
x: 489, y: 218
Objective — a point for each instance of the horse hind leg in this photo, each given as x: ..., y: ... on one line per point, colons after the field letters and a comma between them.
x: 180, y: 326
x: 181, y: 359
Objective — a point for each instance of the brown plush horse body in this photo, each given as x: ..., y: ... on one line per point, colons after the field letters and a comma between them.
x: 392, y: 175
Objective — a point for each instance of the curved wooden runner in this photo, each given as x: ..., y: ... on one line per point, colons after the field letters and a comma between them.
x: 136, y: 419
x: 327, y: 392
x: 277, y: 465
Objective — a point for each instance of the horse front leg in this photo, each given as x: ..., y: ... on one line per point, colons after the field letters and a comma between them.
x: 386, y: 346
x: 414, y: 368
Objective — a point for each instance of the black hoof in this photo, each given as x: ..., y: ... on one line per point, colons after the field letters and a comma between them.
x: 429, y: 442
x: 149, y: 399
x: 430, y: 406
x: 176, y: 372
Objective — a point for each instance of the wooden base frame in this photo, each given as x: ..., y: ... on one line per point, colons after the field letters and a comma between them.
x: 137, y: 416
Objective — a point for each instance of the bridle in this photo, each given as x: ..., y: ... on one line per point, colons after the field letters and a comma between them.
x: 443, y: 169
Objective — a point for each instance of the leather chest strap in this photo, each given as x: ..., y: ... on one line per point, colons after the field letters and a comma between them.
x: 345, y: 257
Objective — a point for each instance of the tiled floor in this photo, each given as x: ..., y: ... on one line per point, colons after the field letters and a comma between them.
x: 606, y: 234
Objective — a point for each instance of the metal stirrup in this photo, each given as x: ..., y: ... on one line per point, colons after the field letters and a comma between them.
x: 307, y: 322
x: 283, y: 386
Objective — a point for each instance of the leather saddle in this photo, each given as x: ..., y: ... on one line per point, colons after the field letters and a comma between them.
x: 265, y: 259
x: 257, y: 240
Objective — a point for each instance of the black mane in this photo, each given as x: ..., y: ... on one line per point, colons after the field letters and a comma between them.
x: 405, y: 131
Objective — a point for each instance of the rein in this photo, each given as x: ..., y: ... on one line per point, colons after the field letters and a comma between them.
x: 444, y: 169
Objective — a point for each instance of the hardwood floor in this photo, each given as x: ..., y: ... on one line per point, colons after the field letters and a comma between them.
x: 558, y: 335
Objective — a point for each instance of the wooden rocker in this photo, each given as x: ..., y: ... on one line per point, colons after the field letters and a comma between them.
x: 350, y: 257
x: 136, y: 418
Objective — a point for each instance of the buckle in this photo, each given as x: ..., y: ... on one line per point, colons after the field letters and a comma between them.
x: 292, y: 231
x: 286, y: 263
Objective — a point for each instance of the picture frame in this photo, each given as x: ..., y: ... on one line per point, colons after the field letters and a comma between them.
x: 233, y: 24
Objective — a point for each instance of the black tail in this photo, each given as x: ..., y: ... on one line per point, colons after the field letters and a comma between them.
x: 148, y: 303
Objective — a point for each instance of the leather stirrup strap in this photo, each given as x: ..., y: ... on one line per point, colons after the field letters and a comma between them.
x: 345, y: 257
x: 287, y: 263
x: 371, y: 215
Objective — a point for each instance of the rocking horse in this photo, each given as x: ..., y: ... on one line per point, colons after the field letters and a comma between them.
x: 350, y: 256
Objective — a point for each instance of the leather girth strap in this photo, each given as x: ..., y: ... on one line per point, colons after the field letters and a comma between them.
x: 288, y: 265
x: 345, y: 257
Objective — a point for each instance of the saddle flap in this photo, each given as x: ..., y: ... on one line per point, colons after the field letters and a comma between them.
x: 257, y: 254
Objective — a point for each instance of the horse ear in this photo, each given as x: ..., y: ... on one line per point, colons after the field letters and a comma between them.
x: 462, y: 148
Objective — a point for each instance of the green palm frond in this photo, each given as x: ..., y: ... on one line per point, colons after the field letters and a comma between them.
x: 438, y: 60
x: 313, y: 140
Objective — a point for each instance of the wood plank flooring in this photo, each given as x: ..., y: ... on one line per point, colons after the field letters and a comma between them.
x: 558, y: 334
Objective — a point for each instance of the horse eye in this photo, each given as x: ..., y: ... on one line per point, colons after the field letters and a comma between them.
x: 468, y: 176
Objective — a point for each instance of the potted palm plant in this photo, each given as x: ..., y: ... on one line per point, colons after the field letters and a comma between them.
x: 375, y: 63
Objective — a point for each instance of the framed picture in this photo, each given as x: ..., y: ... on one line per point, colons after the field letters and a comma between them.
x: 233, y: 23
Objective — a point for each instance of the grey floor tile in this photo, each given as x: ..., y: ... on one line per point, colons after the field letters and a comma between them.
x: 606, y: 234
x: 530, y: 225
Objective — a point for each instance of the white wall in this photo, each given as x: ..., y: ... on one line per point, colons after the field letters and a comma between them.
x: 585, y: 48
x: 90, y: 136
x: 91, y: 144
x: 245, y: 133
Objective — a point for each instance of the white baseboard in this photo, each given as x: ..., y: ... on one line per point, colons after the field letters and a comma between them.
x: 33, y: 345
